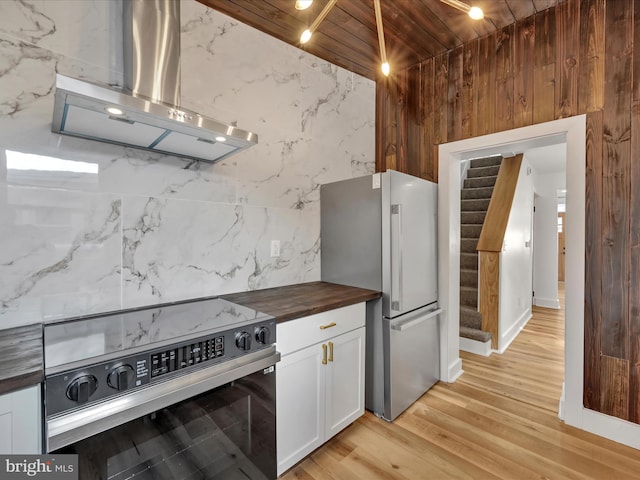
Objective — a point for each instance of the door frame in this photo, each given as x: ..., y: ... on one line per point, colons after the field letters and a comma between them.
x: 572, y: 131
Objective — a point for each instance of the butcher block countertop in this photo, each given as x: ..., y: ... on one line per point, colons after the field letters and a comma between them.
x: 301, y: 300
x: 20, y: 357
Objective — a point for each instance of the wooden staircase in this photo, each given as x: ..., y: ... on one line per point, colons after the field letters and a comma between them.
x: 475, y: 197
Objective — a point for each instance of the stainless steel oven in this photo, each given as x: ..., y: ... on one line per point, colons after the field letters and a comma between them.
x: 177, y: 391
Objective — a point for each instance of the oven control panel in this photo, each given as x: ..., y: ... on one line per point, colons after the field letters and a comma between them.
x: 75, y: 388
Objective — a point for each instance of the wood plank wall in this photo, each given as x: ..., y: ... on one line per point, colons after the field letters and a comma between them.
x: 575, y: 58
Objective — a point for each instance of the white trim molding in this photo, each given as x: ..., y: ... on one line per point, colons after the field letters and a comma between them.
x: 547, y: 302
x: 571, y: 131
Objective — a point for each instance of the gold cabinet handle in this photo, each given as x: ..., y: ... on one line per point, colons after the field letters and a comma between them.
x: 331, y: 351
x: 324, y: 327
x: 324, y: 354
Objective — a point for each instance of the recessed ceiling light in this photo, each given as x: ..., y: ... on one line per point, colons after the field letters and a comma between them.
x: 115, y: 111
x: 221, y: 139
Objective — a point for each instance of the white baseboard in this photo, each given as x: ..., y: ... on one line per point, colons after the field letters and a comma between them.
x: 616, y: 429
x: 613, y: 428
x: 455, y: 370
x: 511, y: 334
x: 547, y: 302
x: 475, y: 346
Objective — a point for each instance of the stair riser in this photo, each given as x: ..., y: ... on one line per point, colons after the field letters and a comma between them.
x: 469, y: 298
x: 469, y: 278
x: 483, y: 172
x: 486, y: 162
x: 480, y: 182
x: 468, y: 245
x: 474, y: 205
x: 470, y: 319
x: 472, y: 218
x: 474, y: 193
x: 470, y: 231
x: 469, y: 261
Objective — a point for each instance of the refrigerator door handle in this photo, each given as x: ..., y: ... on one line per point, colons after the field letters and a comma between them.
x: 396, y: 260
x: 402, y: 326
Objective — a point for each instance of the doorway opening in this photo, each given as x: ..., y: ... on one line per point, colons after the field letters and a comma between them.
x: 569, y: 131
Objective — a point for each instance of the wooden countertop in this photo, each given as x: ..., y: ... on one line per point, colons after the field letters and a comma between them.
x: 303, y: 299
x: 21, y: 363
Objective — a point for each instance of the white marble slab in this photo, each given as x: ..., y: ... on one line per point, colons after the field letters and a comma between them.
x: 242, y: 75
x: 59, y: 254
x: 174, y: 250
x: 82, y: 31
x: 148, y: 228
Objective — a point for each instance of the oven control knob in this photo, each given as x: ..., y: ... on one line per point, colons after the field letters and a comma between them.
x: 82, y: 388
x: 263, y: 335
x: 121, y: 377
x: 243, y: 341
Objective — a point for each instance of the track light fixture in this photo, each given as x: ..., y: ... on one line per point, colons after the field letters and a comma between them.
x: 306, y: 35
x: 383, y: 51
x: 475, y: 13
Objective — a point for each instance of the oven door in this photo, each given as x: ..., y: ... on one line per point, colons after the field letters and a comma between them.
x: 225, y: 433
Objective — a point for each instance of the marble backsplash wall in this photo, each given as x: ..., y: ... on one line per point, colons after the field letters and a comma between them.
x: 139, y: 228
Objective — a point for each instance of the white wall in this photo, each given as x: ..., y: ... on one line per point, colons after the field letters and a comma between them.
x: 516, y: 261
x: 545, y: 239
x: 150, y: 228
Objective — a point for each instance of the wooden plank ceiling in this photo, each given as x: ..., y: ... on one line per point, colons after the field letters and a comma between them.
x: 414, y: 29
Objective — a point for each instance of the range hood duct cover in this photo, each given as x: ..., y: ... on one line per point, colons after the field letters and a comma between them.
x: 151, y: 117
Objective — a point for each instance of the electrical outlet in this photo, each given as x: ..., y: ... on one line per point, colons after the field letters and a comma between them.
x: 275, y: 248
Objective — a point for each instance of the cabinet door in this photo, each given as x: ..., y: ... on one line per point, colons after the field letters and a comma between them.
x: 300, y: 405
x: 20, y: 421
x: 345, y: 381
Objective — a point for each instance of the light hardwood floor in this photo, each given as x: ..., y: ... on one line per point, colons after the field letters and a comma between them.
x: 499, y: 420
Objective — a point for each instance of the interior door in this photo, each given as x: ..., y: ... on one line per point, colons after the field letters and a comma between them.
x: 413, y: 245
x: 561, y: 245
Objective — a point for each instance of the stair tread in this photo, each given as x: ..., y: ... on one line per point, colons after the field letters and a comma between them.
x: 486, y: 161
x: 481, y: 176
x: 475, y: 334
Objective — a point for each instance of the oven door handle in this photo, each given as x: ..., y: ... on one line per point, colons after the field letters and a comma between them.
x: 77, y: 425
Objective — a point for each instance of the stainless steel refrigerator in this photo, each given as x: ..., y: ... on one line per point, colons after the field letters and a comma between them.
x: 380, y: 232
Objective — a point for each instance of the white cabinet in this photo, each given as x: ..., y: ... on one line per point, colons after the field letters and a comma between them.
x: 21, y: 421
x: 320, y: 380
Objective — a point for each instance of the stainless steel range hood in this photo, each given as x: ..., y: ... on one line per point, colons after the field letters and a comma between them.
x: 146, y: 114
